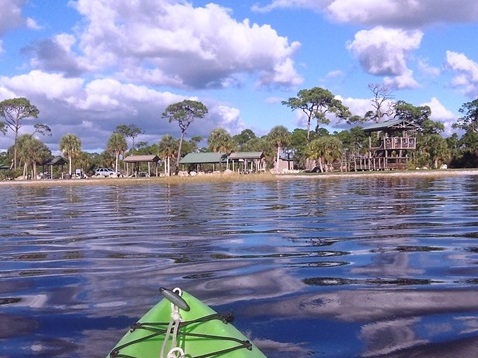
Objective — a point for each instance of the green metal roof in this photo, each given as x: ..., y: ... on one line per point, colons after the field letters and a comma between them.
x: 392, y: 124
x: 203, y: 158
x: 246, y: 155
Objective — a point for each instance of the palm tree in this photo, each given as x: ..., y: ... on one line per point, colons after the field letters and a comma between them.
x: 280, y: 136
x: 168, y: 148
x: 333, y: 150
x: 31, y: 151
x: 116, y: 146
x: 70, y: 146
x: 220, y: 141
x: 434, y: 149
x: 325, y: 150
x: 22, y: 151
x: 86, y: 161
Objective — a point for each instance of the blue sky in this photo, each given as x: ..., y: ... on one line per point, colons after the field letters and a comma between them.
x: 90, y: 65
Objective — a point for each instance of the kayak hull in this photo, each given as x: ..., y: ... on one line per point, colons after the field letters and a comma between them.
x: 201, y: 333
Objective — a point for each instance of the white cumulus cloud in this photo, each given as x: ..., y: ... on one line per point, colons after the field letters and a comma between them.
x: 358, y: 106
x: 439, y: 111
x: 384, y: 52
x: 389, y: 13
x: 441, y: 114
x: 10, y: 15
x: 403, y: 81
x: 50, y: 86
x: 175, y: 43
x: 96, y: 107
x: 466, y: 70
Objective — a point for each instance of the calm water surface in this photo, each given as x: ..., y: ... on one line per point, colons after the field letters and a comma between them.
x: 370, y: 267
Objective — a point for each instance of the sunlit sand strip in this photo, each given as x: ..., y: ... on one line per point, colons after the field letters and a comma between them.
x: 384, y: 174
x: 219, y: 178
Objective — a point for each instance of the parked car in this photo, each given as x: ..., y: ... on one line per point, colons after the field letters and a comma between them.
x: 106, y: 173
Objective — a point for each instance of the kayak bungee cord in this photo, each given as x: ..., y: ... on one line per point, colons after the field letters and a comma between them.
x: 160, y: 328
x: 175, y: 321
x: 175, y: 328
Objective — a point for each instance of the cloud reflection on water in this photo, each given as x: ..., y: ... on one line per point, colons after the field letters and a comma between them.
x: 391, y: 320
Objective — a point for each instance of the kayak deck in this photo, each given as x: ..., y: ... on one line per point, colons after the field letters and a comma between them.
x: 195, y: 330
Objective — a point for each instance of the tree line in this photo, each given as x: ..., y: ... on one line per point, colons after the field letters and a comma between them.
x: 314, y: 144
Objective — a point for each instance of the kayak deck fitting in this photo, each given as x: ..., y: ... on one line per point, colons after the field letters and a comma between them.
x: 180, y: 325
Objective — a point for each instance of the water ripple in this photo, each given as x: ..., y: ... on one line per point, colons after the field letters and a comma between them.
x: 388, y: 264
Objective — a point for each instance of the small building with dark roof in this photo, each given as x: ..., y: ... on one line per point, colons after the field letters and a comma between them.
x: 136, y: 160
x: 246, y: 162
x: 54, y: 162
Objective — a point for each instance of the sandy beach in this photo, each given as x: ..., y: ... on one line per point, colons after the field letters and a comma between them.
x: 397, y: 173
x: 211, y: 178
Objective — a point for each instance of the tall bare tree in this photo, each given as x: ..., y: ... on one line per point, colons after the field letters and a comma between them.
x: 382, y: 102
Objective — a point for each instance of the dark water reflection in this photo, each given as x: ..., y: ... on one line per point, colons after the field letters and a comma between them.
x: 338, y: 268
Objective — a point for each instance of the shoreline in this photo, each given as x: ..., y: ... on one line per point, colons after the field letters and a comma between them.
x: 262, y: 177
x: 419, y: 173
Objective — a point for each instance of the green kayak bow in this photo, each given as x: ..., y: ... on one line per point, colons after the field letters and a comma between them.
x: 180, y: 325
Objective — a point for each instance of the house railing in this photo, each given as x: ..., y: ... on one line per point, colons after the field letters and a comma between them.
x: 391, y: 143
x: 400, y: 143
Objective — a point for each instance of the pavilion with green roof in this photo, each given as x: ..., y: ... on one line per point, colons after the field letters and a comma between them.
x: 244, y: 162
x: 204, y: 158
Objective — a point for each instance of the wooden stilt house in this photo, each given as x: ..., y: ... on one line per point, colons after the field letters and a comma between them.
x: 391, y: 146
